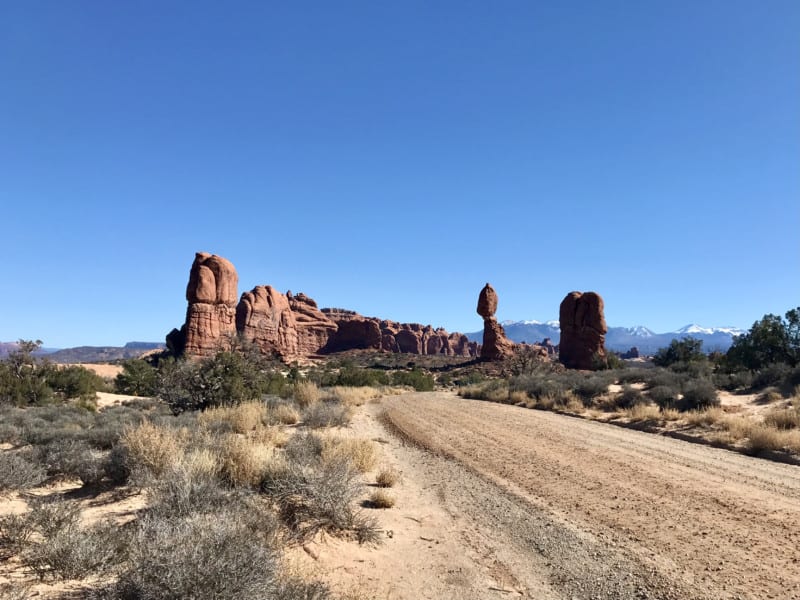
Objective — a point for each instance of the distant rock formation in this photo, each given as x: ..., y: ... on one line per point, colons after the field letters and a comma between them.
x: 356, y: 332
x: 290, y: 326
x: 211, y: 314
x: 548, y: 346
x: 632, y: 353
x: 583, y: 330
x: 496, y: 345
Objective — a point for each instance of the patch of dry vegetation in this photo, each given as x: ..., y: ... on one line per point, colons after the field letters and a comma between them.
x: 381, y: 499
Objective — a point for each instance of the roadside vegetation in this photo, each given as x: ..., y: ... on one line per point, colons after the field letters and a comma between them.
x: 681, y: 393
x: 236, y: 461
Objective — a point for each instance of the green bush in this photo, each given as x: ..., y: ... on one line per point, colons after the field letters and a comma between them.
x: 357, y: 377
x: 771, y: 375
x: 769, y: 341
x: 686, y: 350
x: 138, y: 378
x: 699, y: 395
x: 74, y: 382
x: 419, y: 380
x: 665, y: 396
x: 629, y: 397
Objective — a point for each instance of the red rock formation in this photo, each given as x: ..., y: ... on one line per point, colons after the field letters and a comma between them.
x: 496, y: 345
x: 210, y: 317
x: 290, y: 326
x: 314, y: 328
x: 583, y: 330
x: 357, y: 332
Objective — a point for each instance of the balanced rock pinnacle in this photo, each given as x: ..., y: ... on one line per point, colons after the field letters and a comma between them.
x: 583, y: 330
x: 496, y: 345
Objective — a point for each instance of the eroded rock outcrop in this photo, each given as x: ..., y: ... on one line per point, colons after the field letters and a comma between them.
x: 496, y: 345
x: 359, y: 332
x: 211, y: 314
x: 583, y: 330
x: 290, y: 326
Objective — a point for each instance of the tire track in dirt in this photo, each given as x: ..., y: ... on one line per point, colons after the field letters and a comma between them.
x: 711, y: 521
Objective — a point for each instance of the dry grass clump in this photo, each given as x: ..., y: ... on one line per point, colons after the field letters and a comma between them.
x: 283, y: 414
x: 518, y: 397
x: 306, y: 393
x: 353, y: 396
x: 786, y: 418
x: 381, y: 499
x: 651, y: 413
x: 243, y: 461
x: 151, y: 447
x: 327, y: 414
x: 270, y: 436
x: 764, y: 437
x: 387, y: 477
x: 769, y: 396
x: 705, y: 418
x: 361, y: 453
x: 241, y: 418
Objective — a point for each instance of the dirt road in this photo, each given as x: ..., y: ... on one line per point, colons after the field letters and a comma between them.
x: 597, y: 511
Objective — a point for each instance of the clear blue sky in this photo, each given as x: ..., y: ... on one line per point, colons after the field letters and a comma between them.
x: 393, y: 157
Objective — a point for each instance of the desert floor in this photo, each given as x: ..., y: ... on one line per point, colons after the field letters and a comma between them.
x: 505, y: 501
x: 497, y: 501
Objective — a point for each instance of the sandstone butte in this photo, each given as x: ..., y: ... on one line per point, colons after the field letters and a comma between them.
x: 583, y: 330
x: 290, y: 326
x: 496, y: 345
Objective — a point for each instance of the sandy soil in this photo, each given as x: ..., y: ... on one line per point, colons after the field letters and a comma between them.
x: 685, y: 520
x: 109, y: 371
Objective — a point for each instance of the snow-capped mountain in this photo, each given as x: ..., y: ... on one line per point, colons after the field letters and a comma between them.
x: 621, y: 339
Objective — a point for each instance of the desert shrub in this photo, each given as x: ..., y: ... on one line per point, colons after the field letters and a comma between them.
x: 666, y: 378
x: 23, y: 378
x: 63, y: 548
x: 387, y: 477
x: 698, y: 395
x: 304, y: 448
x: 327, y: 414
x: 353, y: 396
x: 664, y: 395
x: 313, y: 500
x: 769, y: 395
x: 19, y: 473
x: 635, y: 375
x: 629, y: 397
x: 494, y: 390
x: 281, y: 412
x: 591, y: 386
x: 138, y: 378
x: 361, y: 453
x: 787, y: 418
x: 771, y: 375
x: 75, y: 458
x: 199, y: 556
x: 9, y: 433
x: 381, y: 499
x: 241, y: 418
x: 150, y: 447
x: 733, y: 381
x: 74, y: 381
x: 15, y: 532
x: 538, y: 385
x: 243, y: 462
x: 356, y: 377
x: 772, y: 340
x: 296, y: 588
x: 306, y: 393
x: 686, y: 350
x: 416, y: 378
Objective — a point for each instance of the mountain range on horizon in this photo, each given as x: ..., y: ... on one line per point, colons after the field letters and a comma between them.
x: 621, y: 339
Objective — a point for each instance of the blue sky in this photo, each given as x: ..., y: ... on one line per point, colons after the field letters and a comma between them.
x: 392, y: 158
